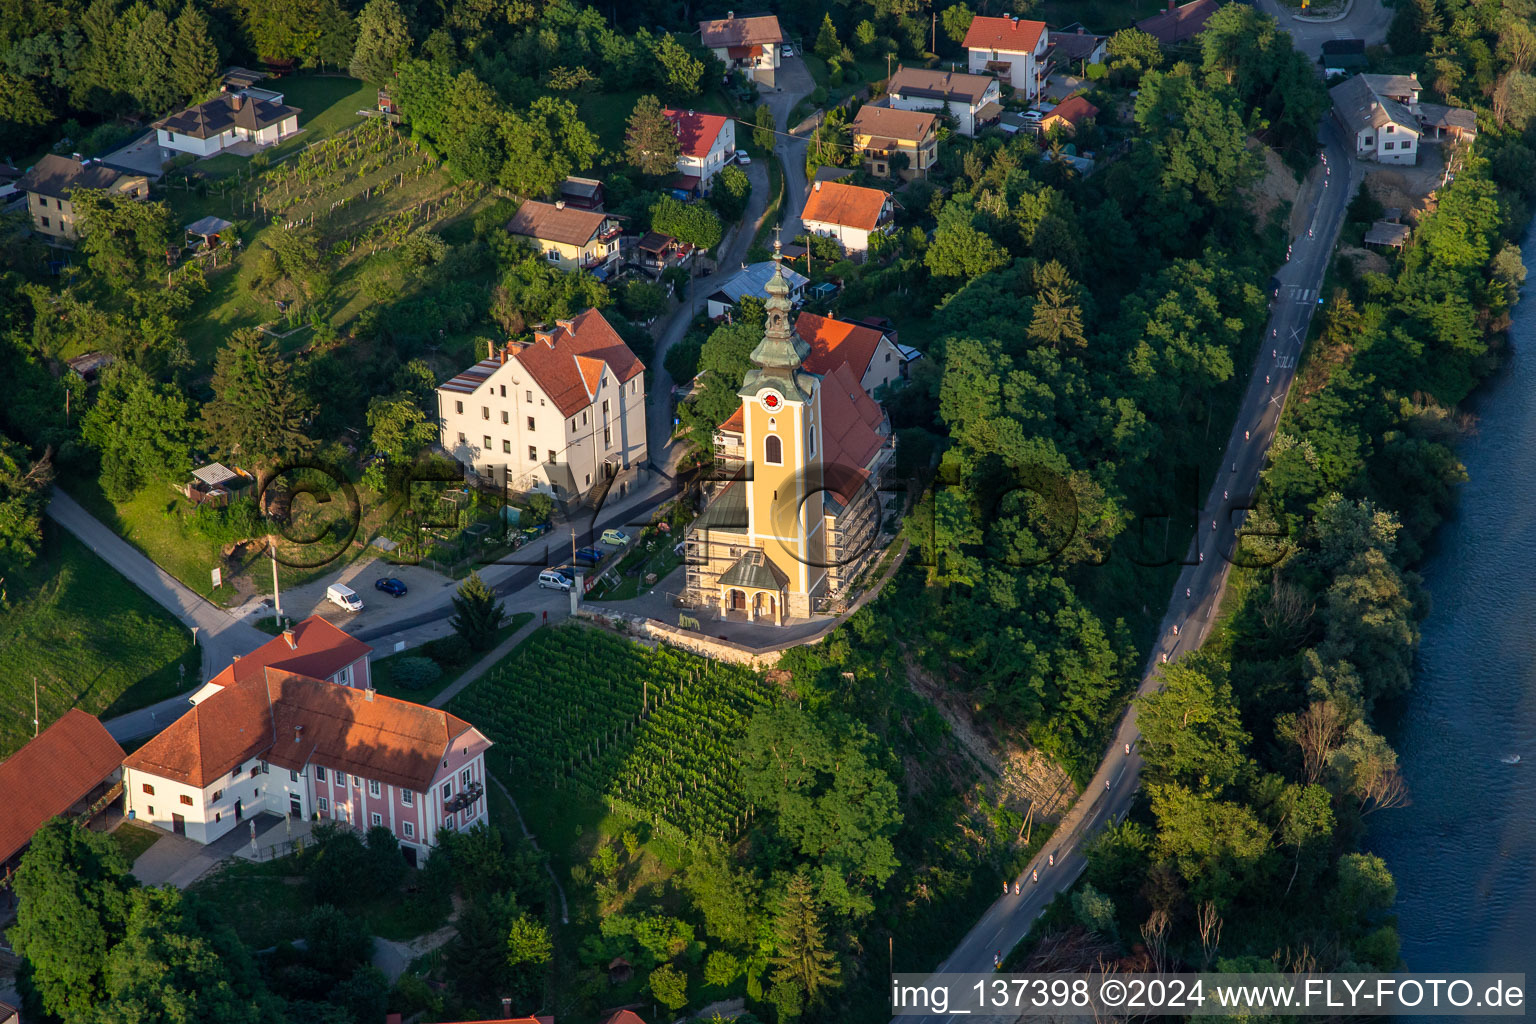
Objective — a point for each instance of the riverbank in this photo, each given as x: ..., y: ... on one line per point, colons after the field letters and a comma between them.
x: 1463, y: 856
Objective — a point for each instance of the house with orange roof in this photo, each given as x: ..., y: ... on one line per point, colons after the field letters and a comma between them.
x: 313, y: 647
x: 706, y: 143
x: 68, y: 768
x: 749, y: 45
x: 888, y: 140
x: 557, y: 415
x: 786, y: 540
x: 1070, y: 115
x: 848, y: 213
x: 283, y: 743
x: 1015, y: 50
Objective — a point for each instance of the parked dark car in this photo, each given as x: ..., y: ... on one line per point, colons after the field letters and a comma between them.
x: 390, y: 586
x: 589, y: 555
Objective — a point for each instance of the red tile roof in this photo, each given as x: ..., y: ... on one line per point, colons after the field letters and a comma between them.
x: 736, y: 423
x: 1075, y: 109
x: 850, y: 432
x: 291, y: 720
x: 319, y: 649
x: 732, y: 32
x: 51, y: 774
x: 623, y: 1017
x: 1006, y: 35
x: 696, y: 132
x: 566, y: 362
x: 853, y: 206
x: 835, y: 343
x: 1181, y: 23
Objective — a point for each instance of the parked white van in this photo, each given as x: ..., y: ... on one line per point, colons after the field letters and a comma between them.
x: 551, y: 580
x: 343, y: 597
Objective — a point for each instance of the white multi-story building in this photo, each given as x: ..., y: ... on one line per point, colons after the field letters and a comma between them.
x: 974, y: 101
x: 288, y: 744
x: 1012, y: 49
x: 706, y: 143
x: 556, y: 415
x: 1379, y: 113
x: 749, y: 45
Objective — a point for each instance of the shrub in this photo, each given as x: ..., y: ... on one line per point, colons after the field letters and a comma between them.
x: 449, y: 651
x: 416, y: 673
x: 423, y: 250
x: 540, y: 508
x: 818, y: 96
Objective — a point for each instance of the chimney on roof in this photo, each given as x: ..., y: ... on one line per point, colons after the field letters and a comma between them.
x: 818, y: 186
x: 566, y: 325
x: 506, y: 1007
x: 690, y: 111
x: 237, y: 657
x: 368, y: 694
x: 292, y: 643
x: 297, y: 732
x: 559, y: 204
x: 1079, y: 30
x: 729, y: 16
x: 1173, y: 5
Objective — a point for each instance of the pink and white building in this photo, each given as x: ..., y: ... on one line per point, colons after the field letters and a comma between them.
x: 285, y: 743
x: 312, y: 648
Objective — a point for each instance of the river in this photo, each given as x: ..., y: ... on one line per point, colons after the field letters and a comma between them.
x: 1464, y: 853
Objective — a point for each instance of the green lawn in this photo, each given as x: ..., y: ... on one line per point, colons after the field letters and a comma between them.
x: 89, y: 638
x: 133, y: 839
x: 382, y: 671
x: 152, y: 522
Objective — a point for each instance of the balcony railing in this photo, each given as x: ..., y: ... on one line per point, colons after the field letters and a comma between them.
x: 465, y: 798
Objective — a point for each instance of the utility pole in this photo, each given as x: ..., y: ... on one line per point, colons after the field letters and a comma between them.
x: 933, y: 34
x: 277, y: 599
x: 34, y: 707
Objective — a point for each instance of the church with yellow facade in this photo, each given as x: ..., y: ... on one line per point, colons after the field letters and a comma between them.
x: 797, y: 521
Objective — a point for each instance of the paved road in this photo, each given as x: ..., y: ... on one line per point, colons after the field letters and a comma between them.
x: 1197, y: 596
x: 1366, y: 19
x: 795, y: 83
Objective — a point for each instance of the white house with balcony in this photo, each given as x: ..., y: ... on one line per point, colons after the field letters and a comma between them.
x: 1013, y: 49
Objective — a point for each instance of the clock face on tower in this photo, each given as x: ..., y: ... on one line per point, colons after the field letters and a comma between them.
x: 772, y: 400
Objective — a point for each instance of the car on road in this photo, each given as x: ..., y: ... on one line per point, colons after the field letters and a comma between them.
x: 590, y: 555
x: 743, y: 159
x: 615, y: 538
x: 549, y: 579
x: 390, y: 586
x: 788, y: 51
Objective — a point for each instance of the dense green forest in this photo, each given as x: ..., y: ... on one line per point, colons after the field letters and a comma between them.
x: 1086, y: 341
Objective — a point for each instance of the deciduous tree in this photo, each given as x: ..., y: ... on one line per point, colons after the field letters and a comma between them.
x: 73, y: 887
x: 383, y: 39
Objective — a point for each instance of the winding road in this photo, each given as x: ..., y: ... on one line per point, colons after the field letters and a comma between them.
x: 1109, y: 795
x: 794, y: 84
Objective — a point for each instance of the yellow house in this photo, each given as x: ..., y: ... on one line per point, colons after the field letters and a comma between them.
x: 788, y: 535
x: 574, y: 239
x: 49, y: 183
x: 880, y: 133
